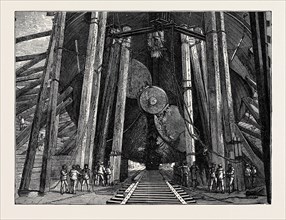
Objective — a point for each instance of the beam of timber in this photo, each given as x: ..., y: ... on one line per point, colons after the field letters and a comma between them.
x: 28, y: 88
x: 86, y: 91
x: 32, y: 71
x: 33, y: 36
x: 252, y: 102
x: 251, y: 82
x: 23, y: 137
x: 201, y: 90
x: 214, y: 88
x: 228, y: 112
x: 66, y: 147
x: 52, y: 118
x: 96, y: 87
x: 62, y: 127
x: 24, y: 107
x: 249, y: 131
x: 252, y: 111
x: 115, y: 158
x: 204, y: 66
x: 254, y: 148
x: 66, y: 131
x: 248, y: 119
x: 28, y: 112
x: 30, y: 57
x: 29, y: 64
x: 36, y: 124
x: 29, y: 77
x: 108, y: 98
x: 28, y: 82
x: 188, y: 97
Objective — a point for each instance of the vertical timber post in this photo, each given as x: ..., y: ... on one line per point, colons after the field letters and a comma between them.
x: 86, y: 91
x: 96, y: 87
x: 108, y: 98
x: 228, y: 113
x: 115, y: 156
x: 200, y: 88
x: 262, y: 69
x: 36, y: 124
x: 188, y: 99
x: 52, y: 122
x: 214, y: 90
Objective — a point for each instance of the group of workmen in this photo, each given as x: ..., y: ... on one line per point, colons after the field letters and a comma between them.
x: 101, y: 176
x: 218, y: 179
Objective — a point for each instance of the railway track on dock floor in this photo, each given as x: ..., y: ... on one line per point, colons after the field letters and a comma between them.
x: 151, y: 188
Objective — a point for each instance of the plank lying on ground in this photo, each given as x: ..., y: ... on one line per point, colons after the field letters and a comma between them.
x: 33, y: 36
x: 30, y: 57
x: 29, y: 64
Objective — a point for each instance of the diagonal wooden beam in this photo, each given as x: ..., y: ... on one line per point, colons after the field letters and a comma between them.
x: 254, y: 148
x: 249, y: 131
x: 33, y: 36
x: 32, y: 71
x: 252, y: 110
x: 29, y: 57
x: 28, y: 88
x: 23, y: 137
x: 29, y: 77
x: 29, y: 64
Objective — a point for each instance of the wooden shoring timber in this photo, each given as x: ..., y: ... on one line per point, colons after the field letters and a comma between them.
x: 253, y: 146
x: 252, y: 102
x: 28, y: 112
x: 115, y: 158
x: 26, y: 89
x: 28, y: 82
x: 29, y: 64
x: 23, y: 137
x: 65, y: 125
x: 246, y: 149
x: 188, y: 97
x: 29, y: 77
x: 32, y: 71
x: 20, y: 108
x: 36, y: 124
x: 227, y: 100
x: 26, y: 97
x: 249, y: 131
x: 251, y: 82
x: 33, y: 36
x: 201, y: 91
x: 66, y: 131
x: 81, y: 141
x: 214, y: 88
x: 52, y: 119
x: 248, y: 118
x: 204, y: 65
x: 96, y: 87
x: 108, y: 98
x: 251, y: 110
x: 30, y: 57
x: 68, y: 145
